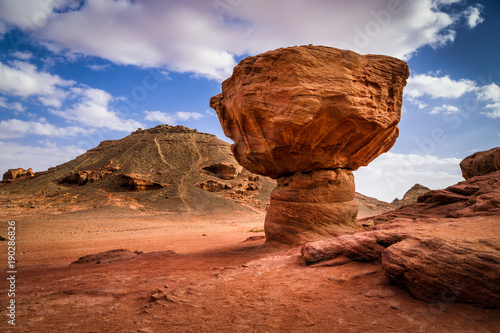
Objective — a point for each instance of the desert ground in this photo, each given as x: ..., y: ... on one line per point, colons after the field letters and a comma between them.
x: 200, y: 273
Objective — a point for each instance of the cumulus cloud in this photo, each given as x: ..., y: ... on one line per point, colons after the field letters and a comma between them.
x: 22, y: 55
x: 473, y: 15
x: 30, y: 14
x: 437, y: 86
x: 159, y: 116
x: 66, y: 98
x: 491, y: 94
x: 16, y: 106
x: 391, y: 174
x: 205, y: 37
x: 92, y: 109
x: 23, y: 79
x: 15, y: 128
x: 167, y: 118
x: 445, y: 109
x: 15, y: 155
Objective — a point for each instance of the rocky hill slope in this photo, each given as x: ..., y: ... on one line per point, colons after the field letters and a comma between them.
x: 165, y: 168
x: 162, y: 169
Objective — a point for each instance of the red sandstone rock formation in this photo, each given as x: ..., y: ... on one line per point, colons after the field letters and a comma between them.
x: 310, y: 115
x: 12, y: 174
x: 481, y: 163
x: 445, y: 247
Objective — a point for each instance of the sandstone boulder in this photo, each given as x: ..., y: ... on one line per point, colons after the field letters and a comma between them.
x: 12, y: 174
x: 307, y: 108
x: 481, y: 163
x: 308, y: 116
x: 445, y: 247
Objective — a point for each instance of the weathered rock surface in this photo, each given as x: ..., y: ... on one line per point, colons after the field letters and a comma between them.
x: 445, y: 247
x: 12, y: 174
x: 410, y: 196
x: 81, y: 178
x: 152, y: 159
x: 481, y: 163
x: 224, y: 170
x: 300, y: 110
x: 304, y: 205
x: 139, y: 183
x: 307, y: 108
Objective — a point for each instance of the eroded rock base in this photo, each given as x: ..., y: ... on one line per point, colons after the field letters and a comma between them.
x: 311, y: 205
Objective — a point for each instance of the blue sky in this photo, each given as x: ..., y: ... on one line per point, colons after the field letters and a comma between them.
x: 74, y: 73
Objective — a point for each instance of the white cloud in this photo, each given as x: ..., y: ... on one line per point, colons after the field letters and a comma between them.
x: 204, y: 37
x: 15, y: 155
x: 418, y: 103
x: 16, y: 106
x: 159, y: 116
x: 15, y: 128
x: 490, y: 93
x: 92, y: 109
x: 22, y: 55
x: 391, y: 175
x: 437, y: 86
x: 98, y: 68
x: 494, y: 110
x: 23, y: 79
x: 181, y: 115
x: 88, y: 106
x: 473, y: 15
x: 445, y: 109
x: 167, y: 118
x: 28, y: 14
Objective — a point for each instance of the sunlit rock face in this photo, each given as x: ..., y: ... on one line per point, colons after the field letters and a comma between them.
x: 308, y: 116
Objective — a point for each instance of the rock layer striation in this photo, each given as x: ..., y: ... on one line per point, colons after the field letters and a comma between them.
x: 308, y: 116
x: 445, y: 247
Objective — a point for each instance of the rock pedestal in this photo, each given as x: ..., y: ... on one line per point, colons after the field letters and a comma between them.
x: 308, y: 116
x: 305, y: 206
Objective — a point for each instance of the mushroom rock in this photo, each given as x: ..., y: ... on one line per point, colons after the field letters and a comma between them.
x: 308, y: 116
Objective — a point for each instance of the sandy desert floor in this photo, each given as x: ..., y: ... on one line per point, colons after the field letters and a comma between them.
x: 199, y: 273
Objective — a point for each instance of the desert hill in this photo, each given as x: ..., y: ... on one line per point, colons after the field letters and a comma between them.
x: 161, y: 169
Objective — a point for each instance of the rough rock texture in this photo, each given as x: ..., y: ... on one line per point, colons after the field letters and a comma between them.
x: 224, y: 171
x: 302, y: 206
x: 139, y: 183
x: 410, y: 196
x: 81, y: 178
x: 173, y: 155
x: 311, y: 107
x: 481, y: 163
x: 298, y: 110
x: 445, y: 247
x: 12, y: 174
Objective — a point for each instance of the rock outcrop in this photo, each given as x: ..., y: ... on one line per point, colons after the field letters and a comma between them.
x: 445, y: 247
x: 81, y: 178
x: 481, y: 163
x: 311, y: 115
x: 12, y: 174
x: 224, y: 171
x: 140, y: 183
x: 410, y: 196
x: 156, y: 170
